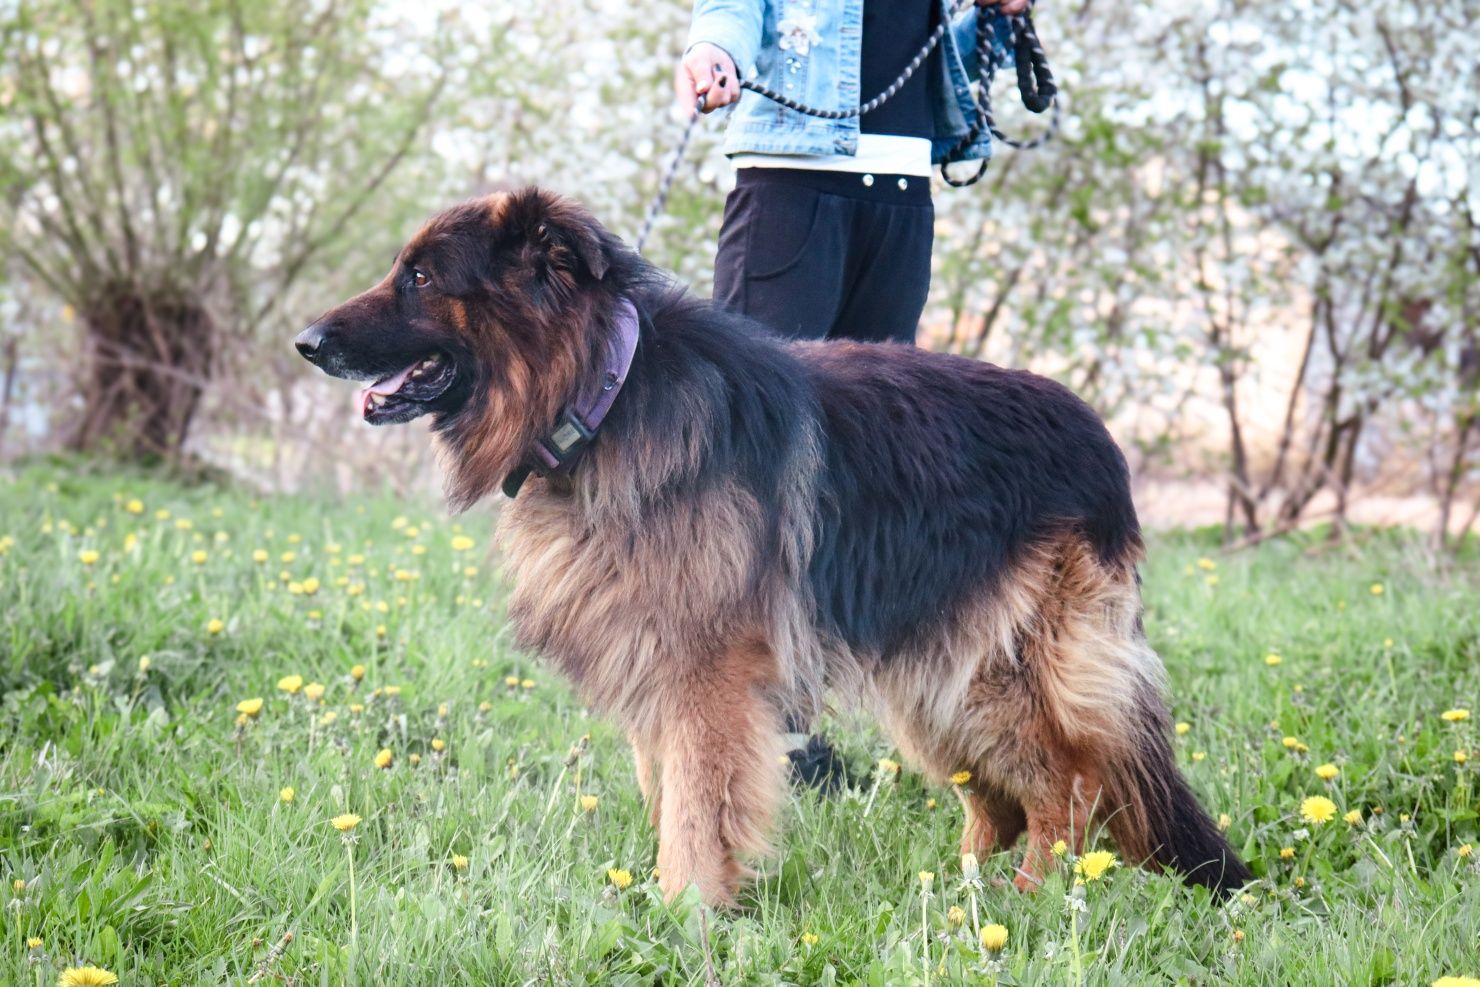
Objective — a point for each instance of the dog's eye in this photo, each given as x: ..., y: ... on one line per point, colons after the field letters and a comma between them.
x: 419, y: 279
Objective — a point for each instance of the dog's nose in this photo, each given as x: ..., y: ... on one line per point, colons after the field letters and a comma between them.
x: 310, y: 339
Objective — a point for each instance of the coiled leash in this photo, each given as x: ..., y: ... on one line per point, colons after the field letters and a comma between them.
x: 1034, y: 80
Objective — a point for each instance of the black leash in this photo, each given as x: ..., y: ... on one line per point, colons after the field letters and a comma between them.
x: 1034, y: 80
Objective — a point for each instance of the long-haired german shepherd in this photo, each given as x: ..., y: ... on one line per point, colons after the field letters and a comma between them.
x: 755, y: 522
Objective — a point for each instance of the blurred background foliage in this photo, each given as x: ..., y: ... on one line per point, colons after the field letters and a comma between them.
x: 1253, y: 245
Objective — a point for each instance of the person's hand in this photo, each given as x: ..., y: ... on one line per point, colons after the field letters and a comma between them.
x: 1007, y: 8
x: 706, y: 70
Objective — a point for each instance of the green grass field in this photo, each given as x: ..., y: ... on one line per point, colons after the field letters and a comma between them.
x: 148, y: 827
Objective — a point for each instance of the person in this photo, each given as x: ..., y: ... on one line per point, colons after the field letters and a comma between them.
x: 828, y: 231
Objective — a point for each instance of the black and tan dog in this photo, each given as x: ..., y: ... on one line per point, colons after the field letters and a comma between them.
x: 717, y: 526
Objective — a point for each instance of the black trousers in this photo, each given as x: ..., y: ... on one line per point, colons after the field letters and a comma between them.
x: 827, y: 255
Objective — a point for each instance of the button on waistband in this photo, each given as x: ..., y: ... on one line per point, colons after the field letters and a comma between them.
x: 868, y: 181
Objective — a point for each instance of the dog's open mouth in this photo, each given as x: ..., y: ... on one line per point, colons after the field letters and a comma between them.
x: 407, y: 394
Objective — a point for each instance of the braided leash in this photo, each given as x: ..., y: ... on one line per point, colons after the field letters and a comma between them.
x: 1035, y: 85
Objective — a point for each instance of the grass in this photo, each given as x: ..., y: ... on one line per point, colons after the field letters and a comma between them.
x: 145, y: 822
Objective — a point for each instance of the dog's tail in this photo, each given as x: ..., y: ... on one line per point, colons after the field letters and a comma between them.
x: 1152, y: 814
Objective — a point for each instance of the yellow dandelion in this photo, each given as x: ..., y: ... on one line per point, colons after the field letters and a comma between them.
x: 438, y: 744
x: 87, y: 556
x: 1287, y: 853
x: 1457, y: 982
x: 1093, y: 865
x: 527, y: 684
x: 1211, y: 579
x: 1464, y: 850
x: 357, y: 672
x: 461, y: 543
x: 955, y: 916
x: 1224, y: 821
x: 1353, y: 818
x: 145, y: 663
x: 1272, y: 659
x: 1460, y: 757
x: 470, y: 571
x: 135, y: 506
x: 415, y: 759
x: 620, y: 879
x: 512, y: 681
x: 32, y: 942
x: 199, y: 556
x: 250, y: 707
x: 929, y: 803
x: 1238, y: 935
x: 960, y: 777
x: 1199, y: 755
x: 809, y: 938
x: 314, y: 691
x: 888, y: 767
x: 356, y: 708
x: 1182, y: 729
x: 1454, y: 715
x: 329, y: 717
x: 458, y: 862
x: 287, y: 557
x: 1317, y: 809
x: 1326, y: 772
x: 994, y: 937
x: 184, y: 524
x: 357, y: 559
x: 384, y: 758
x: 1206, y: 564
x: 1376, y: 589
x: 346, y: 822
x: 380, y: 630
x: 86, y: 976
x: 1060, y: 848
x: 588, y: 803
x: 927, y: 879
x: 215, y: 626
x: 287, y: 793
x: 18, y: 885
x: 311, y: 585
x: 1294, y: 744
x: 290, y: 684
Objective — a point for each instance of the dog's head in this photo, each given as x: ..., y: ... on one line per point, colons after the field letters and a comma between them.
x: 486, y: 321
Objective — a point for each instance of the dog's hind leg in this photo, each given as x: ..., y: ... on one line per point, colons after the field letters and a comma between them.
x: 993, y: 818
x: 721, y: 775
x: 1060, y: 806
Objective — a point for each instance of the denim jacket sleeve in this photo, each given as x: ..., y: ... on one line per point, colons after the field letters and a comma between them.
x: 964, y: 31
x: 734, y: 25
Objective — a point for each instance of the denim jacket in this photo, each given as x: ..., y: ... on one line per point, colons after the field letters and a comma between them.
x: 810, y: 50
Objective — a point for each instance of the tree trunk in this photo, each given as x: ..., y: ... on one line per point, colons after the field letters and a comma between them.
x: 150, y: 358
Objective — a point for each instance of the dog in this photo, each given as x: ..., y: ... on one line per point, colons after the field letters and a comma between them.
x: 711, y: 526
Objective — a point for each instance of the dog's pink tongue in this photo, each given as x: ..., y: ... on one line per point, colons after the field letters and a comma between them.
x: 388, y: 385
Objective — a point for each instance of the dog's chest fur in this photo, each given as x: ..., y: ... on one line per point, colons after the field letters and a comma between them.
x: 632, y: 608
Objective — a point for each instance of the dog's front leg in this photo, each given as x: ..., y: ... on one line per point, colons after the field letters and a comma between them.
x: 721, y: 778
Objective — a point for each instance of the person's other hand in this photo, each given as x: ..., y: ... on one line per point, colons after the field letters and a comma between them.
x: 706, y: 70
x: 1007, y: 8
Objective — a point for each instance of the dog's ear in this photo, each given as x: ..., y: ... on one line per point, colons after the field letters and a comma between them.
x: 559, y: 235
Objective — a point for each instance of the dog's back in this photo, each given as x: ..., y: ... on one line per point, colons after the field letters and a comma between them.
x: 940, y: 473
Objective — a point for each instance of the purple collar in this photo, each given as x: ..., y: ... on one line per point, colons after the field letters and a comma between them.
x: 558, y: 450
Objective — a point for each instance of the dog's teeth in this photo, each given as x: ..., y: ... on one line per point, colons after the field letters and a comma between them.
x: 376, y: 400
